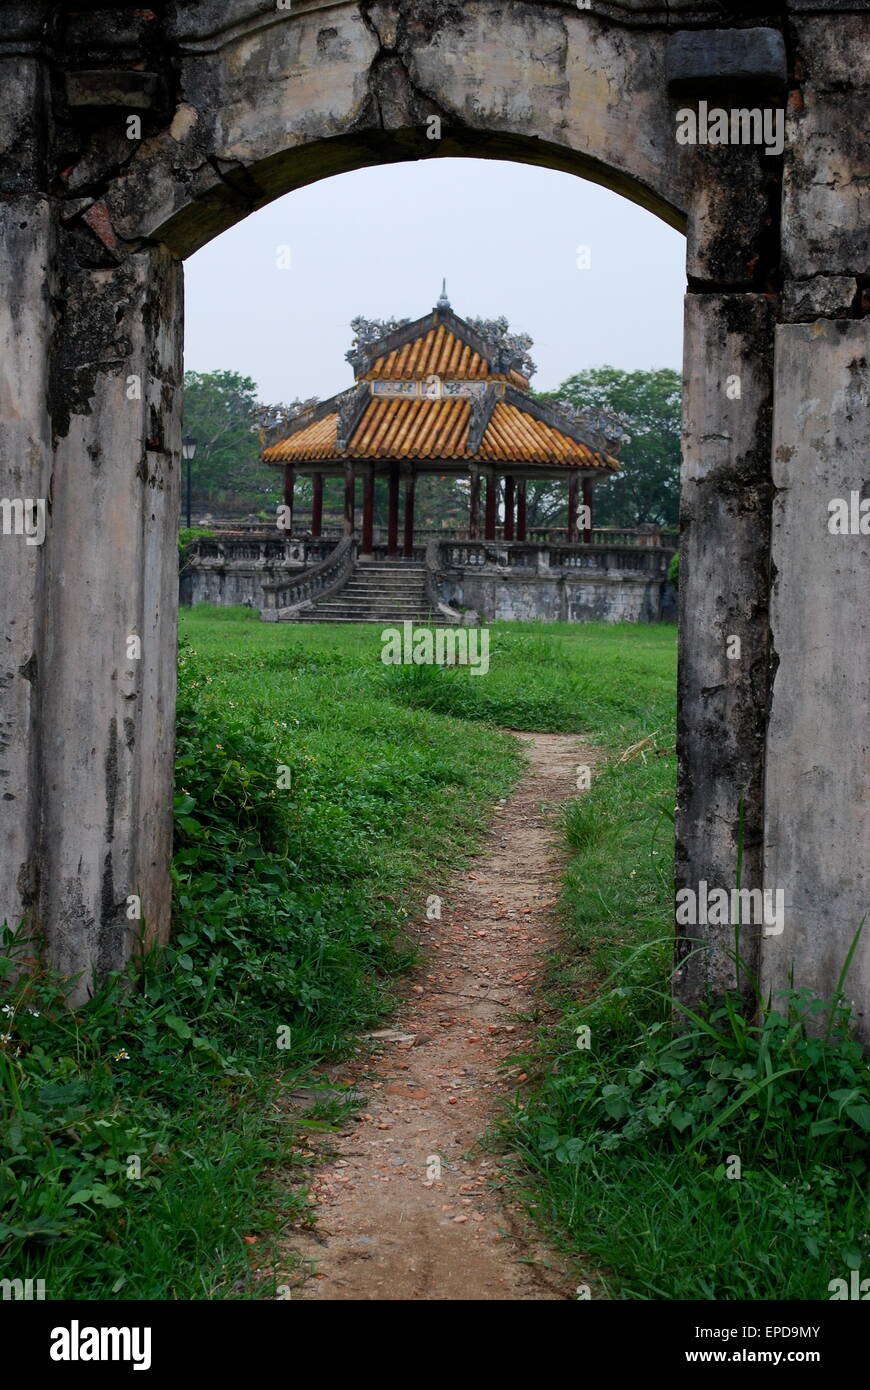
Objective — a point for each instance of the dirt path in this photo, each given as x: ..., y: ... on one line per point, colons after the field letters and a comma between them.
x: 406, y: 1207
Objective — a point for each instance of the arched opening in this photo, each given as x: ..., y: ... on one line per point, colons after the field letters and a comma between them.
x: 241, y: 108
x: 526, y: 257
x: 274, y: 298
x: 244, y: 102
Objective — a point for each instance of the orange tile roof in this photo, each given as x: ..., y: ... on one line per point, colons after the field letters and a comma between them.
x: 315, y: 441
x: 516, y: 379
x: 515, y: 434
x: 433, y: 429
x: 413, y: 427
x: 436, y: 353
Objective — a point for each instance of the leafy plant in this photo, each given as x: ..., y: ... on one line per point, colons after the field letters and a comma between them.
x: 725, y: 1160
x: 139, y: 1134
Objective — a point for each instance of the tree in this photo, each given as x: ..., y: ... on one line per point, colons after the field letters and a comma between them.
x: 226, y: 471
x: 223, y: 414
x: 647, y: 488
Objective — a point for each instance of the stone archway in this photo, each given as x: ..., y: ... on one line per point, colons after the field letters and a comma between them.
x: 132, y: 137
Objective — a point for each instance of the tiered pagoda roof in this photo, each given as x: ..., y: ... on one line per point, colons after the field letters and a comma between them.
x: 436, y: 389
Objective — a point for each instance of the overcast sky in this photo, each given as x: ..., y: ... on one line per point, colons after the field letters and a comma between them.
x: 377, y: 242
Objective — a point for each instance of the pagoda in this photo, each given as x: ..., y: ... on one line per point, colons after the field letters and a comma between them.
x: 436, y: 396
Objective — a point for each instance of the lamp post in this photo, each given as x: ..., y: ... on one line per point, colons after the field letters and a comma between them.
x: 188, y: 449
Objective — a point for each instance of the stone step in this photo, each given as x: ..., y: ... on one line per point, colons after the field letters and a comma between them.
x: 360, y: 596
x: 386, y: 586
x: 376, y: 601
x: 383, y: 592
x: 394, y: 566
x: 377, y: 596
x: 392, y: 595
x: 400, y: 576
x: 411, y: 586
x: 422, y: 620
x: 371, y: 610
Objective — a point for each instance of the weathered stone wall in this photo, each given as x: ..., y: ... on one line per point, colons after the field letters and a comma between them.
x: 556, y: 598
x: 228, y: 571
x: 240, y: 102
x: 226, y: 588
x: 817, y: 765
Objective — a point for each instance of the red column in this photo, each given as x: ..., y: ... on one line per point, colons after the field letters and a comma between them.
x: 317, y: 504
x: 349, y: 484
x: 489, y: 512
x: 474, y: 505
x: 368, y: 509
x: 572, y: 510
x: 588, y: 485
x: 393, y: 511
x: 521, y: 509
x: 509, y: 490
x: 289, y: 482
x: 410, y: 484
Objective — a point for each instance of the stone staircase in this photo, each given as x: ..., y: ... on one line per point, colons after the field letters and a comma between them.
x: 388, y: 591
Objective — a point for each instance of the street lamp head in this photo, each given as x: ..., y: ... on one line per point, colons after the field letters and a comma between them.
x: 188, y: 446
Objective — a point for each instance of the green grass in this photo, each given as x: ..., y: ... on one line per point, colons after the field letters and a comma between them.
x: 289, y: 905
x: 726, y: 1162
x: 319, y: 796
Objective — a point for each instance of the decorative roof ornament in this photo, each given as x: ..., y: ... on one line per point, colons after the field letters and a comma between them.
x: 509, y: 348
x: 443, y: 301
x: 605, y: 429
x: 368, y: 331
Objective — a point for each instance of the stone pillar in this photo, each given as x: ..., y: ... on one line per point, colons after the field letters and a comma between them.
x: 588, y: 485
x: 817, y: 811
x: 368, y: 509
x: 410, y: 485
x: 26, y: 458
x: 316, y: 505
x: 572, y: 509
x: 107, y: 742
x: 393, y: 511
x: 349, y: 499
x: 818, y: 747
x: 733, y: 270
x: 289, y: 488
x: 474, y: 504
x: 509, y: 488
x: 521, y: 509
x: 490, y: 508
x: 723, y: 627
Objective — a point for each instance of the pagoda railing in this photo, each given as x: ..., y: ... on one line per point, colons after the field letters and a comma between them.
x: 320, y: 581
x: 332, y: 533
x: 238, y: 549
x: 538, y: 558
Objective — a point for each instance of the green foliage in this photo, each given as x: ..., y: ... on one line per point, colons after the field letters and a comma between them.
x: 267, y: 914
x: 741, y: 1151
x: 287, y: 911
x: 553, y: 676
x: 674, y: 570
x: 648, y: 486
x: 630, y: 1142
x: 226, y: 471
x: 289, y: 905
x: 723, y: 1085
x: 189, y: 533
x: 132, y: 1146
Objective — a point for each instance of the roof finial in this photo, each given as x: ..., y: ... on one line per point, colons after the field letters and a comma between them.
x: 443, y: 301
